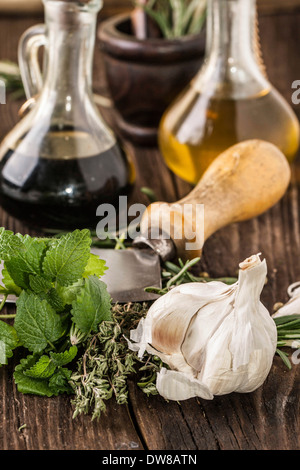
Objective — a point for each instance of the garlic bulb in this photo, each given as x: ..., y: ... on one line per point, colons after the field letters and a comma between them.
x: 215, y: 338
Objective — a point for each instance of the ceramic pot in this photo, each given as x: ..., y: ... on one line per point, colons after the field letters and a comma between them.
x: 145, y: 76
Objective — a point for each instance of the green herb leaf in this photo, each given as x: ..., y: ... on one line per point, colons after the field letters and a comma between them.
x: 95, y: 266
x: 92, y: 306
x: 286, y: 320
x: 64, y: 358
x: 31, y: 385
x: 66, y: 259
x: 53, y: 299
x: 9, y: 283
x: 36, y: 322
x: 177, y: 18
x: 284, y: 358
x: 69, y: 293
x: 26, y: 261
x: 8, y: 341
x: 107, y: 362
x: 43, y: 287
x: 59, y: 382
x: 9, y: 244
x: 39, y: 284
x: 42, y: 369
x: 46, y: 366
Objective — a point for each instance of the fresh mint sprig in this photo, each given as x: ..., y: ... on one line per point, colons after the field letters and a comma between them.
x: 57, y: 281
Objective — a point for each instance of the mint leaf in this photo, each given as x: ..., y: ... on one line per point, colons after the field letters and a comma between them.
x: 67, y: 258
x: 36, y: 322
x: 26, y: 261
x: 8, y: 341
x: 95, y: 266
x: 64, y: 358
x: 92, y: 306
x: 9, y: 244
x: 39, y: 284
x: 46, y: 366
x: 42, y: 369
x: 54, y: 385
x: 43, y: 287
x: 31, y: 385
x: 59, y: 382
x: 10, y: 285
x: 54, y: 300
x: 69, y: 293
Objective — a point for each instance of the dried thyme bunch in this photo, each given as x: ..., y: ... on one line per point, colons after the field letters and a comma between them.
x: 103, y: 370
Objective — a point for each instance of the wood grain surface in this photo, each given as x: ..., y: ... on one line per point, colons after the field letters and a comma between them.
x: 267, y: 419
x: 114, y: 7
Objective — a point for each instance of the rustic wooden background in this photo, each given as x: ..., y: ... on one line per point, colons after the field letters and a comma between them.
x: 266, y: 419
x: 113, y: 7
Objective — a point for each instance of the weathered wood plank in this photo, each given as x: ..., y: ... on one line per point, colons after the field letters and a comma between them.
x: 49, y: 423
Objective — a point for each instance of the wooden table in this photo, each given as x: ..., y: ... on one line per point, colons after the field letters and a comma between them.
x: 266, y: 419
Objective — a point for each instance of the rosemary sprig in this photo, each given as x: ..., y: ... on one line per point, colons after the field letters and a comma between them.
x: 176, y: 18
x: 175, y: 275
x: 288, y: 335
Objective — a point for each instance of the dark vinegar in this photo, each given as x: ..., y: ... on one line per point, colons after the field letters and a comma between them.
x: 62, y: 193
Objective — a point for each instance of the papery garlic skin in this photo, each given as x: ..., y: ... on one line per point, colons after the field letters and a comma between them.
x: 292, y: 307
x: 245, y: 343
x: 215, y: 338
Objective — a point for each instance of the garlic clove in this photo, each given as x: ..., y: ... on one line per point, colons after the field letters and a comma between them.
x: 202, y: 328
x: 172, y: 316
x: 258, y: 369
x: 253, y: 327
x: 239, y: 355
x: 177, y: 386
x: 159, y: 328
x: 292, y: 307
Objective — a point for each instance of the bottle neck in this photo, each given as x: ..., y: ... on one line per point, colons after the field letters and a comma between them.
x: 231, y: 61
x: 70, y: 48
x: 231, y: 28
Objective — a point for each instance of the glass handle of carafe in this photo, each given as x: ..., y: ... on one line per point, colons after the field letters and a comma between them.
x: 30, y: 42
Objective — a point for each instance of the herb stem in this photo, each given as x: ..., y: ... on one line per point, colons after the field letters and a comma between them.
x: 181, y: 273
x: 7, y: 317
x: 52, y: 345
x: 3, y: 302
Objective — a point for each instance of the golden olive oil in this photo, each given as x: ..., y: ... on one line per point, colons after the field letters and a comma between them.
x: 197, y: 128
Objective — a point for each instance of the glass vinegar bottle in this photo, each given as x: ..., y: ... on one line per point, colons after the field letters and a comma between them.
x: 62, y: 161
x: 230, y: 99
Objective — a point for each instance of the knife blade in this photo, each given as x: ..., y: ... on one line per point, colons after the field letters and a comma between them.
x: 129, y: 273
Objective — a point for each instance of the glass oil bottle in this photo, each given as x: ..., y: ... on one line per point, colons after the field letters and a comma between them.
x: 230, y: 99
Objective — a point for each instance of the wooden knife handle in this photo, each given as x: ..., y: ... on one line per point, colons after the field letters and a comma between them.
x: 242, y: 182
